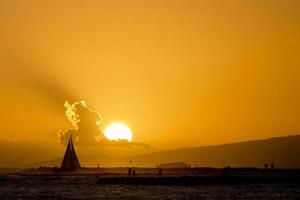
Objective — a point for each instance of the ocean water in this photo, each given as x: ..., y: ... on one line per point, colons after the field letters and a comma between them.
x: 85, y: 187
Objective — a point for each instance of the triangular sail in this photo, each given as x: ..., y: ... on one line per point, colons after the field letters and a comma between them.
x: 70, y: 161
x: 75, y: 161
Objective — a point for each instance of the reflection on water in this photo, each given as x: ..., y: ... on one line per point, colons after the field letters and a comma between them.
x: 85, y: 187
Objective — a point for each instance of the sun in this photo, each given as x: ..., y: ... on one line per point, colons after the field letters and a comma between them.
x: 118, y: 131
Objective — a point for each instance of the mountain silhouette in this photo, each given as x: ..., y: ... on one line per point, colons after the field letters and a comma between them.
x: 284, y: 152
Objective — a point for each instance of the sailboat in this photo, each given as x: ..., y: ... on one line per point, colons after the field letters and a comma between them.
x: 70, y: 161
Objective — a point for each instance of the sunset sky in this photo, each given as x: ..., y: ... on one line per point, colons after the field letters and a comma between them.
x: 178, y: 73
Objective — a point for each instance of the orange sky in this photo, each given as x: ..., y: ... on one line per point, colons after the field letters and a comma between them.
x: 178, y: 73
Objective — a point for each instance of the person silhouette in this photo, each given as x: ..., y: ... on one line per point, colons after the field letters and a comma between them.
x: 133, y: 173
x: 160, y: 172
x: 129, y: 171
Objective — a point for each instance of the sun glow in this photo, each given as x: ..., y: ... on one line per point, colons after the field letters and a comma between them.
x: 118, y: 131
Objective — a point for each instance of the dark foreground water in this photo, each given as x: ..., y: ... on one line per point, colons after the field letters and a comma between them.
x: 85, y: 187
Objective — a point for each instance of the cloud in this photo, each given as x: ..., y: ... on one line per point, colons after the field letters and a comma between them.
x: 85, y: 125
x: 86, y: 128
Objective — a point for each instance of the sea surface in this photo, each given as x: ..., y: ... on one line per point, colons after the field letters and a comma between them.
x: 16, y: 186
